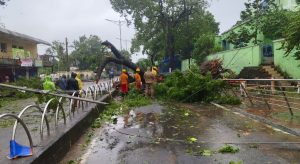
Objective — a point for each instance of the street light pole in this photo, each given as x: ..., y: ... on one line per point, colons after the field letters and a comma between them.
x: 125, y: 42
x: 119, y: 23
x: 67, y: 55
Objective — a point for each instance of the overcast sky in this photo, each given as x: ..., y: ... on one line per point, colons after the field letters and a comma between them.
x: 56, y: 19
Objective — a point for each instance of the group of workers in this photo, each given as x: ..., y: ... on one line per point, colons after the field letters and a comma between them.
x: 73, y: 83
x: 150, y: 77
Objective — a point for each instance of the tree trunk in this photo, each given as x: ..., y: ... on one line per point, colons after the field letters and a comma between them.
x: 171, y: 49
x: 120, y: 59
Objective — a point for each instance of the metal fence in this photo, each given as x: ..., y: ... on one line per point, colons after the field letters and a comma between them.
x: 275, y: 95
x: 74, y: 103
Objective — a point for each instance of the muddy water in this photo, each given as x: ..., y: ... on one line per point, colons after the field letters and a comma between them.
x: 160, y: 134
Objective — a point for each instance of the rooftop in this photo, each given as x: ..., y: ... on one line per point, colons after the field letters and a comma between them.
x: 22, y: 36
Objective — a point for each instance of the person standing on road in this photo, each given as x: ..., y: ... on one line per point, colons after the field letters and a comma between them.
x: 80, y: 84
x: 111, y: 74
x: 62, y: 83
x: 48, y: 84
x: 72, y: 83
x: 150, y: 80
x: 138, y: 79
x: 124, y: 82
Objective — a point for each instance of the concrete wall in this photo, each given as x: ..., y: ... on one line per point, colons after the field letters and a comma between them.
x: 185, y: 64
x: 287, y: 64
x: 237, y: 59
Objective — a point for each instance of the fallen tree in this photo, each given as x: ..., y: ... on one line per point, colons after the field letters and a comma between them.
x: 118, y: 59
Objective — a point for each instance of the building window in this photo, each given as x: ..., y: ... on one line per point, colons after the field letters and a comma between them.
x: 3, y: 47
x: 14, y: 46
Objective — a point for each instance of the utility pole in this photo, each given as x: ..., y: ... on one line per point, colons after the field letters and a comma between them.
x: 125, y: 42
x: 67, y: 55
x: 119, y: 23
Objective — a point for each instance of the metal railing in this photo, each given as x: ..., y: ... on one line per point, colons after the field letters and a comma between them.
x: 78, y: 97
x: 275, y: 94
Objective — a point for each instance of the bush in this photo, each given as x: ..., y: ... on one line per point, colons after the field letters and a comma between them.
x: 190, y: 86
x: 34, y: 83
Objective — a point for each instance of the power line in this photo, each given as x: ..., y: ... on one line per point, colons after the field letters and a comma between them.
x: 119, y: 23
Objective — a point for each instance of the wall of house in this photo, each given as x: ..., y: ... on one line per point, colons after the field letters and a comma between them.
x: 27, y: 46
x: 8, y: 52
x: 237, y: 59
x: 287, y: 64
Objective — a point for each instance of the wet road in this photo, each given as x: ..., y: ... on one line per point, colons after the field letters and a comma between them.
x: 166, y: 134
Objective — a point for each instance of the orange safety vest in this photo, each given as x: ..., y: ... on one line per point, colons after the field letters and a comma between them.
x: 124, y: 78
x: 137, y: 78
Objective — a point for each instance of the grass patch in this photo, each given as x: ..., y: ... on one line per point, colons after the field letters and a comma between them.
x: 233, y: 162
x: 6, y: 123
x: 286, y: 116
x: 228, y: 149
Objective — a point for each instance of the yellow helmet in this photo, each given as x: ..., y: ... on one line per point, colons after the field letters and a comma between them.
x: 138, y: 70
x: 155, y: 68
x: 123, y: 70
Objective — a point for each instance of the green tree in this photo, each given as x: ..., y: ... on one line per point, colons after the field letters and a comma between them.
x: 144, y: 63
x: 204, y: 46
x: 88, y: 53
x: 292, y: 34
x: 3, y: 2
x: 127, y: 55
x: 158, y: 22
x: 57, y: 50
x: 259, y: 17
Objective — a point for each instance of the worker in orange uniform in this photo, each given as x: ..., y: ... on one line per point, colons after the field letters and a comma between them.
x: 124, y: 82
x: 138, y: 79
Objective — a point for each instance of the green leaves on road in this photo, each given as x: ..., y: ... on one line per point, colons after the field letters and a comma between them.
x: 228, y: 149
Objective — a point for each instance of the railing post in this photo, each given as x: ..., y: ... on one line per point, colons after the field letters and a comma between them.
x: 287, y: 101
x: 245, y: 92
x: 273, y: 86
x: 298, y: 85
x: 266, y: 102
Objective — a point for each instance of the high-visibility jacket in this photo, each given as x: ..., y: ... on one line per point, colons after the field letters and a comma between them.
x: 124, y: 78
x: 80, y: 84
x: 48, y: 84
x: 137, y: 78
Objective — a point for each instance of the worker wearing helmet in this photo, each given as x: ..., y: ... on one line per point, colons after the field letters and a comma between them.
x: 154, y: 70
x: 150, y: 80
x: 124, y: 82
x: 138, y: 79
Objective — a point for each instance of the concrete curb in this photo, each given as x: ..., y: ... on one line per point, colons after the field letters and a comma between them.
x: 260, y: 119
x: 61, y: 143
